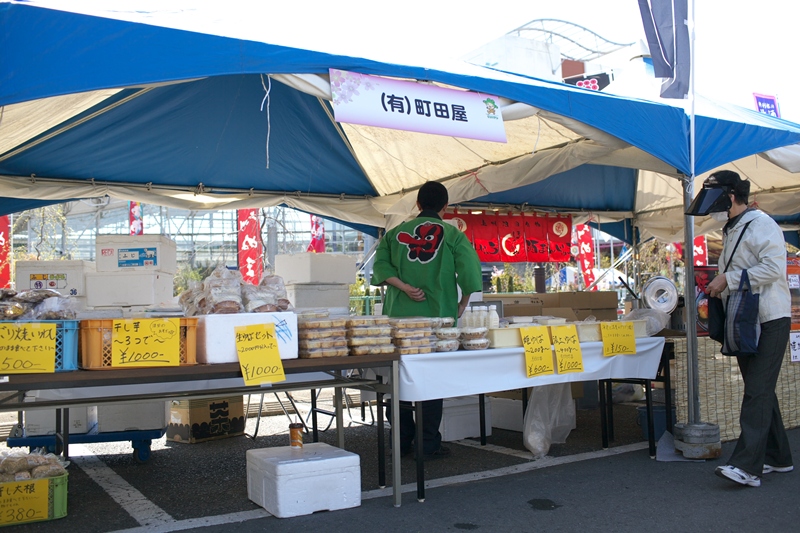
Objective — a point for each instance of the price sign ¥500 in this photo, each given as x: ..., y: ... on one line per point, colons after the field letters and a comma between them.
x: 538, y: 351
x: 618, y: 338
x: 259, y: 358
x: 146, y: 342
x: 27, y: 348
x: 569, y: 356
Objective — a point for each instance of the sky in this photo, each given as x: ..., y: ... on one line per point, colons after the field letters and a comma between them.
x: 740, y: 48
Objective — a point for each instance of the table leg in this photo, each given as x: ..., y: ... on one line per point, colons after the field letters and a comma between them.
x: 418, y: 445
x: 59, y: 433
x: 65, y: 427
x: 395, y: 434
x: 610, y: 407
x: 651, y: 432
x: 337, y: 398
x: 381, y: 444
x: 482, y: 413
x: 314, y: 430
x: 668, y: 393
x: 603, y: 418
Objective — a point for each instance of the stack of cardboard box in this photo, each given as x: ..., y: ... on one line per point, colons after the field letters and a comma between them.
x: 570, y: 305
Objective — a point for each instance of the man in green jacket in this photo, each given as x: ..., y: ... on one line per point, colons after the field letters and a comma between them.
x: 424, y: 261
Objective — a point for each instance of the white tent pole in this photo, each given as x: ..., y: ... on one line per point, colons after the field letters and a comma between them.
x: 688, y: 250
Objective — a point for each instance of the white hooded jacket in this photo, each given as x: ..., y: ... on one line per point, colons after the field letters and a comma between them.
x: 762, y: 252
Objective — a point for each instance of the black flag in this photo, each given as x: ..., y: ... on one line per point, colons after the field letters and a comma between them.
x: 667, y: 31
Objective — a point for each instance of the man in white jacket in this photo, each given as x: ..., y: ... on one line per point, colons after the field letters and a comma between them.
x: 762, y: 446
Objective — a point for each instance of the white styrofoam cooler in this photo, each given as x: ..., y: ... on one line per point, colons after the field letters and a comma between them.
x: 305, y: 295
x: 66, y: 277
x: 40, y: 422
x: 216, y: 336
x: 461, y: 418
x: 316, y: 268
x: 115, y: 253
x: 126, y: 289
x: 132, y: 416
x: 507, y: 413
x: 299, y: 481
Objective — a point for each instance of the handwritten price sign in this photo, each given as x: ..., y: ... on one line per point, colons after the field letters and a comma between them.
x: 146, y: 342
x: 24, y: 501
x: 618, y: 338
x: 27, y: 348
x: 259, y: 357
x: 569, y: 356
x: 538, y: 352
x: 794, y: 346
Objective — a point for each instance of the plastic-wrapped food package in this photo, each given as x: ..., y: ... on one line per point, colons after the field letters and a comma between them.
x: 313, y: 313
x: 274, y: 284
x: 6, y: 294
x: 474, y: 333
x: 222, y: 293
x: 415, y: 341
x: 368, y: 341
x: 56, y: 308
x: 13, y: 310
x: 257, y: 299
x: 35, y: 296
x: 411, y: 322
x: 329, y: 322
x: 475, y: 344
x: 320, y: 333
x: 329, y: 342
x: 407, y: 333
x: 374, y: 349
x: 447, y: 333
x: 409, y: 350
x: 450, y: 345
x: 367, y: 320
x: 322, y: 352
x: 369, y: 331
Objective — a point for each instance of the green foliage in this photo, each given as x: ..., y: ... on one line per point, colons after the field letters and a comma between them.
x: 187, y: 274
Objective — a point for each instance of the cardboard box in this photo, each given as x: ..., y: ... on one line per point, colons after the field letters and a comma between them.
x: 461, y: 418
x: 299, y: 481
x: 126, y: 289
x: 515, y: 394
x: 504, y: 338
x: 544, y: 299
x: 316, y: 268
x: 129, y: 253
x: 66, y: 277
x: 589, y: 299
x: 39, y: 422
x: 132, y: 416
x: 316, y: 295
x: 216, y: 337
x: 522, y: 310
x: 560, y: 312
x: 194, y: 421
x: 601, y: 315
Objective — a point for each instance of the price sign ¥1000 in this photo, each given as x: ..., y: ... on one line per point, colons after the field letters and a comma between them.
x: 569, y: 357
x: 145, y: 342
x: 538, y: 351
x: 259, y: 358
x: 27, y: 348
x: 618, y: 338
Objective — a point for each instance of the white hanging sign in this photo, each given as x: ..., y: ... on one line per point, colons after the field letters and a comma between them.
x: 794, y: 346
x: 410, y: 106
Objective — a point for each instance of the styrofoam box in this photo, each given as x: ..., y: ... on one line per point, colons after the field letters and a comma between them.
x: 299, y: 481
x: 43, y: 421
x: 316, y: 268
x: 216, y: 337
x: 125, y: 289
x: 136, y: 252
x: 66, y: 277
x: 319, y: 294
x: 132, y: 416
x: 461, y: 418
x: 507, y: 413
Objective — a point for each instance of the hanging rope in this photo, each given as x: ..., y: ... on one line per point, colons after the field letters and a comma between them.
x: 267, y: 89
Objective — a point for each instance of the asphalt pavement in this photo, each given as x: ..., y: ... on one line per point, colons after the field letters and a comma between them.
x: 577, y: 487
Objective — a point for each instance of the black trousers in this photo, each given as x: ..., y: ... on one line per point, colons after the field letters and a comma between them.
x: 763, y: 437
x: 431, y: 420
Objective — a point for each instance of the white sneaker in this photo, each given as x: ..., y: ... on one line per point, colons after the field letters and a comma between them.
x: 781, y: 469
x: 738, y: 475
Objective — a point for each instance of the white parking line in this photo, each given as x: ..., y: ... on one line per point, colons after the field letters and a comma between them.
x: 135, y: 504
x: 206, y: 521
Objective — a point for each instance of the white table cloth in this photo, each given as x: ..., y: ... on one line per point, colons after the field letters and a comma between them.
x: 449, y: 374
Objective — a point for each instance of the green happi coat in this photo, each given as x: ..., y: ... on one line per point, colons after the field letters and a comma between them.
x: 432, y: 255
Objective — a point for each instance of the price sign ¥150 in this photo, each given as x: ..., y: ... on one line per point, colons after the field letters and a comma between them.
x: 569, y: 356
x: 27, y: 348
x: 259, y: 358
x: 146, y: 342
x: 618, y: 338
x: 538, y: 351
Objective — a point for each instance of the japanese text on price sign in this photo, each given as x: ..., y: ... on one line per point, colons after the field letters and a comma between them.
x: 146, y: 342
x: 259, y: 357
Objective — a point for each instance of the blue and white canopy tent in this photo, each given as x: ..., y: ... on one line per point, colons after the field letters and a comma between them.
x: 165, y: 107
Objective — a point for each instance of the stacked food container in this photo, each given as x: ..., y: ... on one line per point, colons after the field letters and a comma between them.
x: 320, y: 335
x: 369, y: 335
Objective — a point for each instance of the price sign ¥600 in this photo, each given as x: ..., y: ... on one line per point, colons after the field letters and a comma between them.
x: 569, y: 356
x: 618, y: 338
x: 538, y: 351
x: 146, y: 342
x: 27, y: 348
x: 259, y: 358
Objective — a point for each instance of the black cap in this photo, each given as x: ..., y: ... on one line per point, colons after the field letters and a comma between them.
x: 729, y: 180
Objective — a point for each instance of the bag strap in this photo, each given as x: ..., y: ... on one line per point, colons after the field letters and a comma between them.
x: 728, y: 264
x: 745, y: 281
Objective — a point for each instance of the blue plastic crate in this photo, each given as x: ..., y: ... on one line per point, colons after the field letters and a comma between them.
x: 66, y: 343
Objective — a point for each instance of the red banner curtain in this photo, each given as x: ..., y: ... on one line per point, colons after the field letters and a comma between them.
x: 251, y: 255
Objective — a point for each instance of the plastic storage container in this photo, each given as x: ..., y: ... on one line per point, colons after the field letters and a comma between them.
x: 96, y: 343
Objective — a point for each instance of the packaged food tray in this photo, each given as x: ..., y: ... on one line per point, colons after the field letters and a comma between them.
x: 369, y: 341
x: 313, y: 344
x: 403, y: 333
x: 316, y: 323
x: 66, y: 342
x: 375, y: 349
x: 413, y: 349
x: 413, y: 322
x: 322, y: 352
x: 367, y: 320
x: 417, y: 341
x: 371, y: 331
x: 95, y: 339
x: 320, y: 333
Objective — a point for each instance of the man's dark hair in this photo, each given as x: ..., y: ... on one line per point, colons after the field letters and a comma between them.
x: 432, y: 196
x: 733, y: 183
